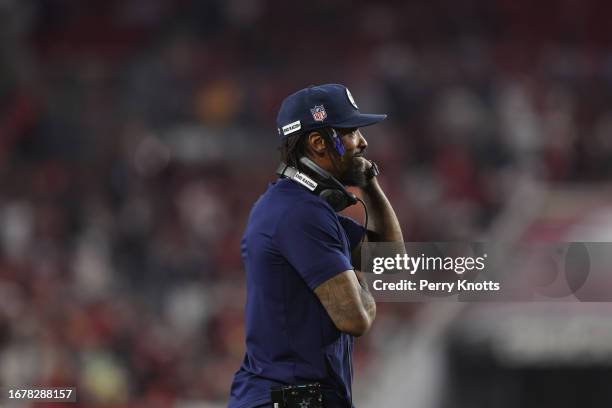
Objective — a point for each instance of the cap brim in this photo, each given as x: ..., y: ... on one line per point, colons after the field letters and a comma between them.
x: 360, y: 120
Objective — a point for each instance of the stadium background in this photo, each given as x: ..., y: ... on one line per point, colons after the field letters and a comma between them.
x: 136, y: 134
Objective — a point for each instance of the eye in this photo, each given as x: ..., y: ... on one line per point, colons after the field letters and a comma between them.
x: 350, y: 132
x: 346, y: 132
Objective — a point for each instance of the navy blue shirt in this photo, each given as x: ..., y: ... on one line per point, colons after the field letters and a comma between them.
x: 294, y: 241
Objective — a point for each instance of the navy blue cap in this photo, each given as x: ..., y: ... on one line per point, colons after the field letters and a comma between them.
x: 316, y: 107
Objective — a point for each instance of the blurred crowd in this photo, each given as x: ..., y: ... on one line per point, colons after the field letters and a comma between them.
x: 136, y: 134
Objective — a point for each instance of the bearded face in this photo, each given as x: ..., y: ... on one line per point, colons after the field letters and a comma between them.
x: 354, y: 173
x: 352, y: 164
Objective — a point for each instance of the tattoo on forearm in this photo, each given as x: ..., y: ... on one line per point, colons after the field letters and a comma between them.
x: 346, y: 301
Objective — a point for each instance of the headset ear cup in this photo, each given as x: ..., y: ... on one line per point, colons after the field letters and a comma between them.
x: 335, y: 198
x: 332, y: 190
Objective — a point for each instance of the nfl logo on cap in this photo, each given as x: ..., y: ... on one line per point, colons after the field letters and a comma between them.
x: 318, y: 113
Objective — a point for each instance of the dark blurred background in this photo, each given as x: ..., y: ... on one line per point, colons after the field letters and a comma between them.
x: 136, y: 134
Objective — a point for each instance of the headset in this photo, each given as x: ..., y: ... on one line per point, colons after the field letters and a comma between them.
x: 324, y: 184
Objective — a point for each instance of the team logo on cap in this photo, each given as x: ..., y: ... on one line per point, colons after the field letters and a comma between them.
x: 351, y: 100
x: 318, y: 113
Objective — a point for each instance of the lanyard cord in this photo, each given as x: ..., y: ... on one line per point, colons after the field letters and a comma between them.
x: 365, y: 209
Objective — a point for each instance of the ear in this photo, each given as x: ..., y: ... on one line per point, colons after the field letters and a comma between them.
x: 316, y: 143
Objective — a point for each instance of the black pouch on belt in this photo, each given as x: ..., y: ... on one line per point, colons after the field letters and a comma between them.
x: 297, y: 396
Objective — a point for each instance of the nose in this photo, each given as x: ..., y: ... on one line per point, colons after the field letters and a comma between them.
x: 363, y: 144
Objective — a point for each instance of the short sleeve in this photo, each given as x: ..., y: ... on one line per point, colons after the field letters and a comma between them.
x: 309, y: 237
x: 354, y: 230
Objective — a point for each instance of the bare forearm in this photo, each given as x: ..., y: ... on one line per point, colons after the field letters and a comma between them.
x: 346, y: 303
x: 367, y: 299
x: 383, y: 225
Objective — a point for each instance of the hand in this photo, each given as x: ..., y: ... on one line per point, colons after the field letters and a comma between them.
x: 372, y: 171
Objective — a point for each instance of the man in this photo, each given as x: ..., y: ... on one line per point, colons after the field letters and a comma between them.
x: 305, y: 301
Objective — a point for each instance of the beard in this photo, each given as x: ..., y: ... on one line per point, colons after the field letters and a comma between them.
x: 355, y: 173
